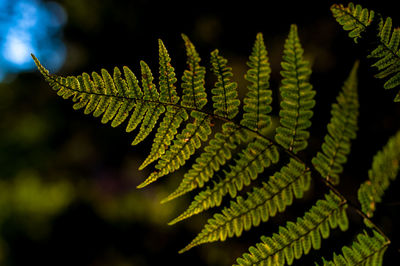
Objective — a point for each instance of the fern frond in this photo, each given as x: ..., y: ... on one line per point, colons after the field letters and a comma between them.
x: 174, y: 115
x: 385, y: 168
x: 113, y: 98
x: 225, y: 95
x: 366, y: 250
x: 353, y: 18
x: 297, y: 96
x: 385, y: 44
x: 252, y: 161
x: 292, y: 181
x: 296, y: 239
x: 341, y: 130
x: 257, y: 103
x: 216, y: 153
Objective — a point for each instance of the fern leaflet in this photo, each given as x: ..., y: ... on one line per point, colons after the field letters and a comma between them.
x: 225, y: 96
x: 341, y: 130
x: 296, y: 239
x: 386, y: 50
x: 112, y: 98
x: 257, y: 103
x: 385, y: 168
x: 366, y: 250
x: 297, y: 96
x: 193, y: 90
x: 260, y: 204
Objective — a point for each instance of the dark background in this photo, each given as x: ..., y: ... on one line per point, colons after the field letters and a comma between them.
x: 101, y: 218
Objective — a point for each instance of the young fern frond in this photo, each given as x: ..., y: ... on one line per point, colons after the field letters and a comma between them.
x: 297, y: 96
x: 366, y: 250
x: 257, y: 103
x: 297, y: 238
x: 385, y: 43
x: 385, y: 168
x: 292, y: 181
x: 252, y: 161
x: 341, y: 130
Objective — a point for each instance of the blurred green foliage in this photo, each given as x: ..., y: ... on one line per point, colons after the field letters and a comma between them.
x: 30, y: 204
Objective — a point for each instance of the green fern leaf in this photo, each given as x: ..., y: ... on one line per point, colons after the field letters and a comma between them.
x: 297, y: 96
x: 365, y: 250
x: 215, y: 155
x: 252, y: 161
x: 387, y: 54
x: 112, y: 98
x: 262, y: 203
x: 296, y: 238
x: 225, y: 96
x: 259, y: 98
x: 174, y: 116
x: 386, y: 50
x: 385, y: 168
x: 194, y: 95
x: 257, y: 103
x: 341, y: 130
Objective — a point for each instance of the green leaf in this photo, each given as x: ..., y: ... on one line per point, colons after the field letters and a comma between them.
x: 297, y: 96
x: 284, y: 246
x: 252, y: 161
x: 225, y: 95
x: 257, y: 103
x: 341, y: 130
x: 243, y: 214
x: 385, y: 168
x: 365, y: 250
x: 383, y: 40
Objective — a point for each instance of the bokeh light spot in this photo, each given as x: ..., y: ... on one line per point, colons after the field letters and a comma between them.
x: 30, y: 26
